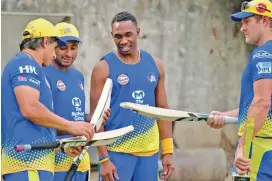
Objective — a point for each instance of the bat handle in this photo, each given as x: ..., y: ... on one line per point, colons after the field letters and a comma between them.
x: 81, y: 155
x: 228, y: 119
x: 71, y: 172
x: 28, y: 147
x: 21, y: 148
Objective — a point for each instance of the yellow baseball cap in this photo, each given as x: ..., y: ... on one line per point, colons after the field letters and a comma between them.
x: 68, y: 32
x: 260, y: 7
x: 40, y: 28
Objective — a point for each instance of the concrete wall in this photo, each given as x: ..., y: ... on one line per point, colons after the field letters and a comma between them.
x: 195, y: 39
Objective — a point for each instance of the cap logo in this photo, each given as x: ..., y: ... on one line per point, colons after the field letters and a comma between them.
x: 261, y: 8
x: 67, y: 30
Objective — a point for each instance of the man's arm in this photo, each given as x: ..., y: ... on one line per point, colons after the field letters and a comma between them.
x: 232, y: 113
x: 32, y: 109
x: 259, y: 106
x: 99, y: 76
x: 217, y: 121
x: 165, y: 127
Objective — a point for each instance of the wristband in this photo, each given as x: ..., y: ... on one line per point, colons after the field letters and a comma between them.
x: 167, y: 146
x: 103, y: 159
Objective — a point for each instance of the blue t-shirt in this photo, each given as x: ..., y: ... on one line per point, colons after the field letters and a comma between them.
x: 23, y: 70
x: 258, y: 67
x: 69, y: 103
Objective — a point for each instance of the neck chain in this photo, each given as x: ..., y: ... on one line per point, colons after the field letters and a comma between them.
x: 137, y: 60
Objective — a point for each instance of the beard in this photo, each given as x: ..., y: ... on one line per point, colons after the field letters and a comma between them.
x: 62, y: 64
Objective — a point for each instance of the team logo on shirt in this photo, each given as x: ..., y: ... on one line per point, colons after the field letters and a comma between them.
x: 80, y: 85
x: 151, y: 78
x: 264, y: 67
x: 123, y: 79
x: 61, y: 86
x: 47, y: 83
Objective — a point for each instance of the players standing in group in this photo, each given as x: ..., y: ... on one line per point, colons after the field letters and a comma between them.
x: 27, y: 104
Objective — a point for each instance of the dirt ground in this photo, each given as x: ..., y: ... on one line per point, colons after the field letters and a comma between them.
x: 94, y: 176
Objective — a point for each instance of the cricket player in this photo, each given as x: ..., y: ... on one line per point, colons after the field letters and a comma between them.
x: 27, y: 104
x: 256, y: 92
x: 67, y: 84
x: 137, y: 77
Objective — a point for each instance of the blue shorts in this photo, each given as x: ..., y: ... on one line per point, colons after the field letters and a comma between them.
x: 79, y: 176
x: 135, y: 168
x: 30, y: 175
x: 261, y: 160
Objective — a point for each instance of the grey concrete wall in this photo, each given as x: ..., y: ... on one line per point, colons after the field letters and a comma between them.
x: 202, y: 50
x: 195, y: 39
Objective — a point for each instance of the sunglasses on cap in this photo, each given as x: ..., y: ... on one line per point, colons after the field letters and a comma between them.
x: 245, y: 5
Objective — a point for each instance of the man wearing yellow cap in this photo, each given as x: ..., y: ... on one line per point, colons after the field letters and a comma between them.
x: 256, y: 92
x: 67, y: 85
x: 27, y: 104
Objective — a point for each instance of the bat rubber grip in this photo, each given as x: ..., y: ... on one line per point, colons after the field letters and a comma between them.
x: 21, y: 148
x: 28, y: 147
x: 227, y: 119
x: 71, y: 172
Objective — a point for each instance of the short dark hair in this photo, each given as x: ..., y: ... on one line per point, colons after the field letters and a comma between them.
x: 124, y: 16
x: 35, y: 43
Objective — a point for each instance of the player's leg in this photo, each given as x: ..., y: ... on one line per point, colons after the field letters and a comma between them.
x: 261, y: 161
x: 146, y: 168
x: 59, y: 176
x: 124, y: 163
x: 30, y: 175
x: 79, y: 176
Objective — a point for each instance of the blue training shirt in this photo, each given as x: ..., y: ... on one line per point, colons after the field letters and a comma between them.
x: 137, y: 84
x: 69, y: 103
x: 23, y: 70
x: 258, y: 67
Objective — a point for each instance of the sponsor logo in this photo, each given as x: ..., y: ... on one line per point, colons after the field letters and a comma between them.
x: 123, y: 79
x: 61, y: 86
x: 264, y: 67
x: 79, y: 113
x: 138, y: 95
x: 262, y: 54
x: 33, y: 80
x: 261, y: 7
x: 76, y: 102
x: 22, y: 78
x: 27, y: 69
x: 67, y: 30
